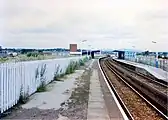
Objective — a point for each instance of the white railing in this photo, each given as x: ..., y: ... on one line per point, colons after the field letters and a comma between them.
x: 162, y: 63
x: 15, y: 77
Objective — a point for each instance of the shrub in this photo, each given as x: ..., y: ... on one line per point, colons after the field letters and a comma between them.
x: 24, y: 97
x: 77, y: 65
x: 42, y: 86
x: 32, y: 54
x: 56, y: 74
x: 4, y: 59
x: 61, y: 74
x: 29, y: 54
x: 81, y: 62
x: 70, y: 68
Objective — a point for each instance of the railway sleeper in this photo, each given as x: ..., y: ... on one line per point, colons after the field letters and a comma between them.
x: 160, y: 100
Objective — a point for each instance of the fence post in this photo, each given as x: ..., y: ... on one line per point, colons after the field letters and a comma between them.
x: 1, y: 90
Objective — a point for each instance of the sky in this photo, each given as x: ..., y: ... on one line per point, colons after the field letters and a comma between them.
x: 105, y: 24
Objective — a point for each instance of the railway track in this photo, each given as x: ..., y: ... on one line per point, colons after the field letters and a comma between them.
x: 149, y: 95
x: 157, y: 93
x: 154, y: 81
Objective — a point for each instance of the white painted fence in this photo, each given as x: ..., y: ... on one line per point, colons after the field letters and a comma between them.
x: 23, y: 75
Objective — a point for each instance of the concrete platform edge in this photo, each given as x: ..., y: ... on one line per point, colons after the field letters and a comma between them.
x: 113, y: 95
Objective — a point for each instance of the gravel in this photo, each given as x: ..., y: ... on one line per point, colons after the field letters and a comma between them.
x: 78, y: 102
x: 137, y: 106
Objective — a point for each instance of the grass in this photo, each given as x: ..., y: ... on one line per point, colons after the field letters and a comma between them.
x: 71, y: 67
x: 24, y: 97
x: 2, y: 60
x: 25, y: 57
x: 82, y: 61
x: 42, y: 86
x: 58, y: 73
x: 75, y: 65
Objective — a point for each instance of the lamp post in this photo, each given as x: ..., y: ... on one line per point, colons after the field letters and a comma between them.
x: 88, y: 49
x: 156, y: 58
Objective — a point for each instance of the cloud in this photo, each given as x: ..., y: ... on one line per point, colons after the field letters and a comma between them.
x: 105, y: 23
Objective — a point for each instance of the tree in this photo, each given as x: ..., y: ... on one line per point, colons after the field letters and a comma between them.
x: 146, y: 53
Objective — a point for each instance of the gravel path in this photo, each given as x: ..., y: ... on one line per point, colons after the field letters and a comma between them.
x: 78, y: 102
x: 75, y: 108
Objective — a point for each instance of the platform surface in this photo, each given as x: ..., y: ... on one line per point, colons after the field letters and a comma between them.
x: 157, y: 72
x: 101, y: 104
x: 96, y: 104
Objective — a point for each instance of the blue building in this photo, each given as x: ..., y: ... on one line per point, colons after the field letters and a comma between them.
x: 127, y: 54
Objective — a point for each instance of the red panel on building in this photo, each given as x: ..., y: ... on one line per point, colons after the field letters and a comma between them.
x: 73, y: 47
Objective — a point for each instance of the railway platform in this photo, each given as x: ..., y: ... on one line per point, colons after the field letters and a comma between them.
x: 102, y: 104
x: 156, y: 72
x: 83, y: 95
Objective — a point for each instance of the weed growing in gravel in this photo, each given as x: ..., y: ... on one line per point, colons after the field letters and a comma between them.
x: 77, y: 65
x: 57, y: 73
x: 86, y: 59
x: 70, y: 69
x: 42, y: 86
x: 81, y: 62
x: 24, y: 97
x: 61, y: 74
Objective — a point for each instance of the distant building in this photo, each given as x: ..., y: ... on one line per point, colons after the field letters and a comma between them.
x: 73, y: 49
x: 47, y: 53
x: 127, y: 53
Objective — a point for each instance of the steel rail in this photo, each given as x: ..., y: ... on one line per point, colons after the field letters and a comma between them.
x: 120, y: 76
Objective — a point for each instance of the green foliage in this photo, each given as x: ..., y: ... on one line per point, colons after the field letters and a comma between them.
x: 77, y: 65
x: 71, y: 67
x: 32, y: 54
x: 56, y: 74
x: 42, y: 86
x: 61, y: 74
x: 43, y: 71
x: 24, y: 97
x: 36, y: 73
x: 28, y: 54
x: 85, y: 59
x: 3, y: 59
x: 81, y: 62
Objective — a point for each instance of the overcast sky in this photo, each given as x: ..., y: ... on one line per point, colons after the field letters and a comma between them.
x: 110, y: 24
